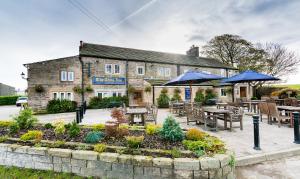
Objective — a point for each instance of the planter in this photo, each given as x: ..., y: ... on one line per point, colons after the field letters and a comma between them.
x: 114, y: 165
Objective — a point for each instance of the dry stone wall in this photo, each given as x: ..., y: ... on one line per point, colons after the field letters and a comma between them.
x: 113, y: 165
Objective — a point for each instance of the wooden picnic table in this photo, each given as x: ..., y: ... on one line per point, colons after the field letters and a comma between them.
x: 136, y: 112
x: 252, y: 105
x: 219, y: 105
x: 290, y: 110
x: 216, y: 112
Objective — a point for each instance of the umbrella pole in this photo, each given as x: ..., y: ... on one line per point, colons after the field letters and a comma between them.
x: 191, y: 95
x: 232, y: 93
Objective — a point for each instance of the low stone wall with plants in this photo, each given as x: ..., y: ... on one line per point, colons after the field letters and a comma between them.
x: 114, y: 165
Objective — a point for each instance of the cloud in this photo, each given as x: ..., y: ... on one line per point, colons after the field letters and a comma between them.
x: 38, y: 30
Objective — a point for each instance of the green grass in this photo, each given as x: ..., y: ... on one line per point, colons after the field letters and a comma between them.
x: 21, y: 173
x: 293, y: 86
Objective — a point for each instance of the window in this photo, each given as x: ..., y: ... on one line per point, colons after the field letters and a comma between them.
x: 108, y: 68
x: 69, y: 96
x: 223, y: 72
x: 63, y: 76
x: 164, y: 72
x: 167, y: 72
x: 140, y: 70
x: 208, y: 72
x: 109, y: 93
x: 70, y: 76
x: 55, y: 96
x: 62, y: 96
x: 117, y: 69
x: 223, y: 92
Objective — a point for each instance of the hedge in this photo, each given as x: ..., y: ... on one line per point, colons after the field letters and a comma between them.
x: 60, y: 106
x: 109, y: 102
x: 8, y: 100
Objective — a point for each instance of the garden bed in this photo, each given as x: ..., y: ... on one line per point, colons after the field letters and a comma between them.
x: 168, y: 140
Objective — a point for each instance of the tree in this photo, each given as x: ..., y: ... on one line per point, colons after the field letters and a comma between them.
x: 233, y: 50
x: 279, y: 60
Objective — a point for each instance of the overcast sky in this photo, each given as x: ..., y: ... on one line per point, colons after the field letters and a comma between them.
x: 35, y: 30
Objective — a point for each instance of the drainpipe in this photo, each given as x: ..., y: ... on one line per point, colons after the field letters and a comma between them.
x: 82, y: 74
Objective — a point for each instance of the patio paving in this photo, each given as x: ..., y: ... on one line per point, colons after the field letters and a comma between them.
x: 272, y: 138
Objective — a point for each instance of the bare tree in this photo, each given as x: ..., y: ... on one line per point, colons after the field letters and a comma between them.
x: 279, y: 60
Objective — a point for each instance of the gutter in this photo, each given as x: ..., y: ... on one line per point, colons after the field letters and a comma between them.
x: 82, y: 74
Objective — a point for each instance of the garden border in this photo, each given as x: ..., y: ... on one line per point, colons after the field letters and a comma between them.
x: 114, y: 165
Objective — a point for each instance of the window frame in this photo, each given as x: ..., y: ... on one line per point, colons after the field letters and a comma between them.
x: 68, y: 73
x: 63, y: 75
x: 167, y: 69
x: 111, y: 69
x: 223, y: 92
x: 140, y: 67
x: 114, y: 70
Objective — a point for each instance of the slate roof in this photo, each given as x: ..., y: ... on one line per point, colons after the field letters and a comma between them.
x: 121, y: 53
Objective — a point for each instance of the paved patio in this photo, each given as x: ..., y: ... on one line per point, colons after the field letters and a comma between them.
x: 272, y: 138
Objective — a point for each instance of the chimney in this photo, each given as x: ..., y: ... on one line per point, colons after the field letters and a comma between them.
x: 81, y: 44
x: 193, y: 51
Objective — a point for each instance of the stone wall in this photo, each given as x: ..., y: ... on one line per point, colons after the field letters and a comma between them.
x: 113, y: 165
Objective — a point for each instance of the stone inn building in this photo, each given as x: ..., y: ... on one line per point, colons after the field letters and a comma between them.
x: 111, y: 71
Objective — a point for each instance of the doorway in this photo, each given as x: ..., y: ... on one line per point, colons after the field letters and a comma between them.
x: 137, y: 97
x: 243, y: 92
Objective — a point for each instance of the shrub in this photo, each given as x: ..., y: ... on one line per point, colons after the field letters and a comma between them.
x: 175, y: 153
x: 67, y: 126
x: 60, y: 106
x: 176, y: 96
x: 25, y: 119
x: 134, y: 141
x: 99, y: 148
x: 3, y: 138
x: 57, y: 144
x: 32, y: 135
x: 111, y: 129
x: 94, y: 137
x: 48, y: 126
x: 199, y: 96
x: 59, y: 127
x: 163, y: 100
x: 98, y: 127
x: 89, y: 89
x: 195, y: 134
x: 148, y: 89
x: 171, y: 130
x: 8, y: 100
x: 118, y: 115
x: 6, y: 123
x: 123, y: 130
x: 77, y: 89
x: 74, y: 130
x: 209, y: 94
x: 152, y: 129
x: 210, y: 145
x: 13, y: 129
x: 110, y: 102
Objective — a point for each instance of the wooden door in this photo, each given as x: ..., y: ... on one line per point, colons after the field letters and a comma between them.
x: 243, y: 92
x: 138, y: 97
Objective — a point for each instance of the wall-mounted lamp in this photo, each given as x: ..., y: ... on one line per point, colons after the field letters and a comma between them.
x: 23, y: 76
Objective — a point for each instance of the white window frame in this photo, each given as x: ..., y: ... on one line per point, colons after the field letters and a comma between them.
x: 67, y: 96
x: 60, y: 95
x: 111, y: 68
x: 109, y: 92
x: 63, y: 76
x: 223, y: 72
x: 143, y: 70
x: 55, y: 95
x: 70, y: 76
x: 115, y: 69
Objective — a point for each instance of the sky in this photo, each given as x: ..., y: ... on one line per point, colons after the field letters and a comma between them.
x: 36, y: 30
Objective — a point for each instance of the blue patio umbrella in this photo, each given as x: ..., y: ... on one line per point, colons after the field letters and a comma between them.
x: 192, y: 77
x: 249, y: 76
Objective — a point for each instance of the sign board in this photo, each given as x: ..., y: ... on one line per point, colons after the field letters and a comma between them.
x: 187, y: 93
x: 108, y: 81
